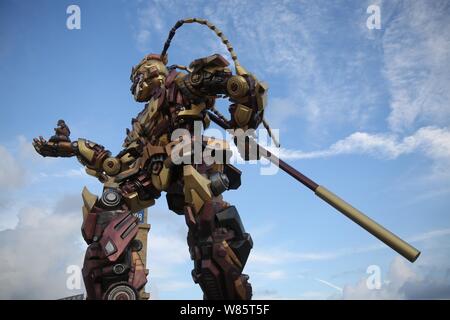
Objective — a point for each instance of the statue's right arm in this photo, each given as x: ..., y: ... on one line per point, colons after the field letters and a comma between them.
x: 90, y: 154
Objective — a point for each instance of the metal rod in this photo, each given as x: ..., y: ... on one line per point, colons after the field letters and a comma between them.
x: 386, y: 236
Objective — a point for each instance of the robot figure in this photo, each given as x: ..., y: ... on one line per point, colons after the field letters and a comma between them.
x: 134, y: 178
x: 148, y: 165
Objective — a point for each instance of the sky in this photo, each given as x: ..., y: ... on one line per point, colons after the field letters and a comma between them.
x: 364, y: 112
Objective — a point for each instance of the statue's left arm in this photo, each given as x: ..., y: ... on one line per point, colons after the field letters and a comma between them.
x: 210, y: 77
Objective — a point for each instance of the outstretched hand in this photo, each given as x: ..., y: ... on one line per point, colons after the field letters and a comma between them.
x: 52, y: 149
x: 44, y: 148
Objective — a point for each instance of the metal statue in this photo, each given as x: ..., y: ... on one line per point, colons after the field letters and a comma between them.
x: 176, y: 97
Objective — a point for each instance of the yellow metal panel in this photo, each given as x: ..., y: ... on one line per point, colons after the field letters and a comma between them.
x: 85, y: 151
x: 242, y: 115
x: 89, y: 199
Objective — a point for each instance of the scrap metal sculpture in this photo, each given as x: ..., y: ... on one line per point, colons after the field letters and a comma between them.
x: 134, y: 178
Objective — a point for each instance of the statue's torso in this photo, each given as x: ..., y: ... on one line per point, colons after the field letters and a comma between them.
x: 171, y: 107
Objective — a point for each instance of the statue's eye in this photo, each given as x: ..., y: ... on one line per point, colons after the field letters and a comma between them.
x: 137, y: 78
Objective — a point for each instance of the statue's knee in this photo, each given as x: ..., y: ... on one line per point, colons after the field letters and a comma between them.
x: 242, y: 242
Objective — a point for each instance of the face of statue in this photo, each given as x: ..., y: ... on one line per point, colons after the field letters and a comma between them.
x: 149, y: 74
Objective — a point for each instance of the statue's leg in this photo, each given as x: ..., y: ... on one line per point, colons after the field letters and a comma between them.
x: 112, y: 267
x: 219, y: 247
x: 217, y: 241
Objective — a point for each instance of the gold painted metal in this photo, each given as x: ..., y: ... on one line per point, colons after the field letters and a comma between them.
x: 154, y: 73
x: 402, y: 247
x: 194, y: 111
x: 219, y: 148
x: 164, y: 178
x: 240, y: 288
x: 242, y: 115
x: 217, y: 143
x: 89, y: 199
x: 156, y: 181
x: 142, y: 235
x: 164, y: 139
x: 261, y: 89
x: 135, y: 204
x: 237, y: 87
x: 112, y: 166
x: 133, y: 145
x: 85, y: 212
x: 240, y: 70
x: 129, y: 172
x: 85, y: 151
x: 91, y: 172
x: 206, y: 121
x: 149, y: 111
x: 196, y: 187
x: 218, y: 31
x: 217, y: 167
x: 231, y: 254
x: 127, y: 158
x: 151, y: 150
x: 110, y: 183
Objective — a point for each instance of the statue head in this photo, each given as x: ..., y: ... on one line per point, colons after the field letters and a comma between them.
x: 148, y: 75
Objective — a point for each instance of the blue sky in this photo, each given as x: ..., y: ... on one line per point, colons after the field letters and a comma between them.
x: 364, y: 112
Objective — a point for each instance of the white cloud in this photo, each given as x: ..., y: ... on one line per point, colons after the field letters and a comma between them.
x: 274, y: 256
x: 150, y: 24
x: 175, y: 285
x: 143, y: 39
x: 12, y: 174
x: 27, y: 152
x: 35, y: 254
x: 416, y: 45
x: 47, y: 239
x: 16, y: 171
x: 402, y: 283
x: 71, y: 173
x: 415, y: 60
x: 430, y: 235
x: 427, y: 278
x: 285, y: 51
x: 168, y: 258
x: 432, y: 142
x: 166, y: 251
